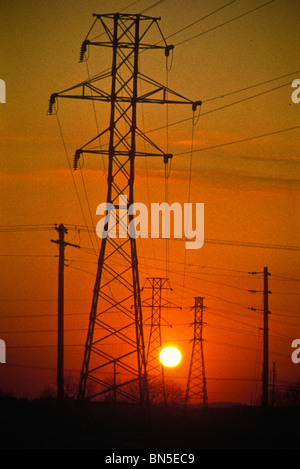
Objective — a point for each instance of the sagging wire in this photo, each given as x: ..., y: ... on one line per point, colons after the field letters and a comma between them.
x: 168, y: 69
x: 96, y: 120
x: 168, y: 161
x: 194, y: 122
x: 83, y: 48
x: 152, y: 6
x: 88, y: 204
x: 146, y: 167
x: 77, y: 164
x: 168, y: 164
x: 73, y: 179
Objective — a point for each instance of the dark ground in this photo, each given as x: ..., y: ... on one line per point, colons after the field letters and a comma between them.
x: 37, y: 424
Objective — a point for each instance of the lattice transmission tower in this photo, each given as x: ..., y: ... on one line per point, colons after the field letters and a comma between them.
x: 156, y: 302
x: 196, y: 392
x: 116, y: 310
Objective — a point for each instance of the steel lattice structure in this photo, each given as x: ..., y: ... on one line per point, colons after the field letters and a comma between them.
x: 196, y: 384
x: 116, y: 311
x: 156, y: 302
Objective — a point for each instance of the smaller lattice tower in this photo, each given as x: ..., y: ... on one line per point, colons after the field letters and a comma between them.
x: 196, y: 392
x: 156, y: 303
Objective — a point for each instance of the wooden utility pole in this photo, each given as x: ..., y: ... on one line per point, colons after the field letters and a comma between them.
x: 62, y: 231
x: 265, y: 385
x: 273, y: 384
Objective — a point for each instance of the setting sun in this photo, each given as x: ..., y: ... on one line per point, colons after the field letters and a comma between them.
x: 170, y: 356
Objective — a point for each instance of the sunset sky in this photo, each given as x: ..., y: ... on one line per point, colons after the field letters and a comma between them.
x: 240, y: 61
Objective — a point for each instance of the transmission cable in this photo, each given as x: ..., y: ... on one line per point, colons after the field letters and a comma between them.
x: 240, y: 141
x: 74, y: 182
x: 152, y: 6
x: 226, y: 105
x: 167, y: 170
x: 225, y: 23
x: 201, y: 19
x: 189, y: 194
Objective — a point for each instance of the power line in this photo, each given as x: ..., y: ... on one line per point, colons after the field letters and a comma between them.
x: 285, y: 315
x: 210, y: 378
x: 203, y: 279
x: 217, y: 241
x: 230, y: 104
x: 213, y: 296
x: 72, y: 176
x: 279, y: 277
x: 38, y: 316
x: 231, y: 319
x: 24, y: 228
x: 128, y: 6
x: 42, y: 331
x: 200, y: 19
x: 250, y: 87
x: 152, y: 6
x: 172, y: 35
x: 240, y: 141
x: 189, y: 193
x: 231, y: 242
x: 285, y: 293
x: 225, y: 23
x: 244, y: 99
x: 27, y: 255
x: 235, y: 330
x: 207, y: 241
x: 210, y: 308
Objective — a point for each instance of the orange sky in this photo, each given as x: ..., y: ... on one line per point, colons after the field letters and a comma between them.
x: 250, y: 189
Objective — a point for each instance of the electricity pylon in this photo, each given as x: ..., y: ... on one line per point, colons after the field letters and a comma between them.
x: 117, y: 280
x: 196, y: 384
x: 156, y: 302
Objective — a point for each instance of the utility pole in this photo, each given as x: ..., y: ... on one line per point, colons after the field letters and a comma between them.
x: 196, y: 384
x: 115, y: 383
x: 273, y: 383
x: 117, y: 285
x: 62, y: 231
x: 265, y: 389
x: 266, y: 312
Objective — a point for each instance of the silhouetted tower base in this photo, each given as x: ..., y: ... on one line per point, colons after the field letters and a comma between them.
x: 196, y: 392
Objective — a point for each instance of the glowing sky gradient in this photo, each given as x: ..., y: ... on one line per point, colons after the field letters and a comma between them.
x: 250, y: 189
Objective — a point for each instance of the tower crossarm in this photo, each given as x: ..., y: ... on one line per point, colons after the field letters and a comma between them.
x: 157, y: 95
